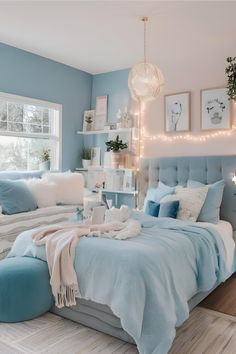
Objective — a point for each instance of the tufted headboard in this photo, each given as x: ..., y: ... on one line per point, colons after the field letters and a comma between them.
x: 205, y: 169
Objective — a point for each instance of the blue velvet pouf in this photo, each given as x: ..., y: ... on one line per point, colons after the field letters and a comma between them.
x: 25, y: 291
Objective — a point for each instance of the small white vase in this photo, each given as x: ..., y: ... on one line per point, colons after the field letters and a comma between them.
x: 86, y: 163
x: 115, y: 159
x: 44, y: 165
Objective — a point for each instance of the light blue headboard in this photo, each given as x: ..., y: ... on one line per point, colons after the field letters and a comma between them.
x: 205, y: 169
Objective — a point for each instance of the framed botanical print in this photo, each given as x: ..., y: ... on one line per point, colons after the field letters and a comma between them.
x: 177, y: 112
x: 89, y: 120
x: 215, y: 109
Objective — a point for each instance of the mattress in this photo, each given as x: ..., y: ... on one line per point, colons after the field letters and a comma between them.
x: 12, y: 225
x: 226, y: 233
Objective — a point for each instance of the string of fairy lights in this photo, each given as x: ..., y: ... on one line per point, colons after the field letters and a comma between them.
x: 144, y: 136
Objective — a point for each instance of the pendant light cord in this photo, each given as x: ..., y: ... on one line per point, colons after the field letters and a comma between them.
x: 144, y: 20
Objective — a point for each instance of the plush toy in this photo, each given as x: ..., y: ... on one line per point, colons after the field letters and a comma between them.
x: 116, y: 214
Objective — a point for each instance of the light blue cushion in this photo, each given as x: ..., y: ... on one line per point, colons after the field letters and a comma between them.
x: 156, y: 194
x: 169, y: 209
x: 15, y: 197
x: 152, y: 208
x: 164, y: 210
x: 210, y: 211
x: 25, y: 291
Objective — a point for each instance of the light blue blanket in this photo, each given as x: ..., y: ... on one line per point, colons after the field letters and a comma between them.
x: 145, y: 280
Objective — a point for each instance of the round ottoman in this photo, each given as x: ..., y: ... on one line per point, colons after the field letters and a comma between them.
x: 25, y: 291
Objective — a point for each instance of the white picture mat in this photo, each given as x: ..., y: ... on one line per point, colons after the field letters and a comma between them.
x: 173, y: 101
x: 213, y: 100
x: 101, y: 105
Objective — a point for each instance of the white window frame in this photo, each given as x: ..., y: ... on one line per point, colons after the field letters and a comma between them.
x: 57, y: 136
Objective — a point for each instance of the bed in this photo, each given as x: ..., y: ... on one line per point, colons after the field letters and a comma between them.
x: 171, y: 171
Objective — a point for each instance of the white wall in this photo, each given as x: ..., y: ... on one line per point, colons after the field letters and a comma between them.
x: 191, y: 74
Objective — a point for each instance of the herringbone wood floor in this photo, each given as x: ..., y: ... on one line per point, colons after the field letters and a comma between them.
x: 205, y: 332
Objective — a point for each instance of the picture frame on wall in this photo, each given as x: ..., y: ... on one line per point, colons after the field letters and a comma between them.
x: 177, y: 112
x: 215, y: 109
x: 89, y: 120
x: 101, y: 112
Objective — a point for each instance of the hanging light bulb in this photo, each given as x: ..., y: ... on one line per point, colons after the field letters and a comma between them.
x: 145, y: 79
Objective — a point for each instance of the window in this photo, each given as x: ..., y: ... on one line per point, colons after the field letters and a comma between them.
x: 27, y: 127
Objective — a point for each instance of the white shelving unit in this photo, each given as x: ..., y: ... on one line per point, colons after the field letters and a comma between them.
x: 98, y: 169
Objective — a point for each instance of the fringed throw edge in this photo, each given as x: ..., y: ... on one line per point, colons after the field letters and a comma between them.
x: 66, y: 296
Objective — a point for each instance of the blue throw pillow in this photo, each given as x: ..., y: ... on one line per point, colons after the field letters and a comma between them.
x: 210, y: 211
x: 15, y: 197
x: 169, y: 209
x: 152, y: 208
x: 156, y: 194
x: 164, y: 210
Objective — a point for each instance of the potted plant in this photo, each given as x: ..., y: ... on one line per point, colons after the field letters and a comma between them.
x: 45, y: 160
x: 231, y: 74
x: 86, y: 157
x: 115, y: 146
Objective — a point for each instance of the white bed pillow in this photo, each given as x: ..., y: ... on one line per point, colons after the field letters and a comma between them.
x: 44, y: 192
x: 70, y: 186
x: 190, y: 200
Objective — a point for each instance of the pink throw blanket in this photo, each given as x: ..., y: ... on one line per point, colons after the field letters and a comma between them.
x: 60, y: 242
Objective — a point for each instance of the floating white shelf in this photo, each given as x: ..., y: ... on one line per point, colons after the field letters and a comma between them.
x: 109, y: 131
x: 119, y: 192
x: 100, y: 168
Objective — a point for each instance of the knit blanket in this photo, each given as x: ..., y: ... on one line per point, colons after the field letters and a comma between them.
x: 60, y: 242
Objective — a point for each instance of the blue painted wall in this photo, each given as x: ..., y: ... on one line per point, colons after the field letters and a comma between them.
x: 115, y: 85
x: 26, y: 74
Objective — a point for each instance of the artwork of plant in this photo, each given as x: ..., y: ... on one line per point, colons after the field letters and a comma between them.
x: 231, y: 74
x: 89, y: 118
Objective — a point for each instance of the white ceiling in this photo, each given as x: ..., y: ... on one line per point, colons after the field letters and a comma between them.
x: 102, y: 36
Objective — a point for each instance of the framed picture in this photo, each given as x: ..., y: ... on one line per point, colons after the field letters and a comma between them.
x: 215, y: 109
x: 128, y: 181
x: 96, y: 156
x: 89, y: 119
x: 177, y: 112
x: 101, y: 112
